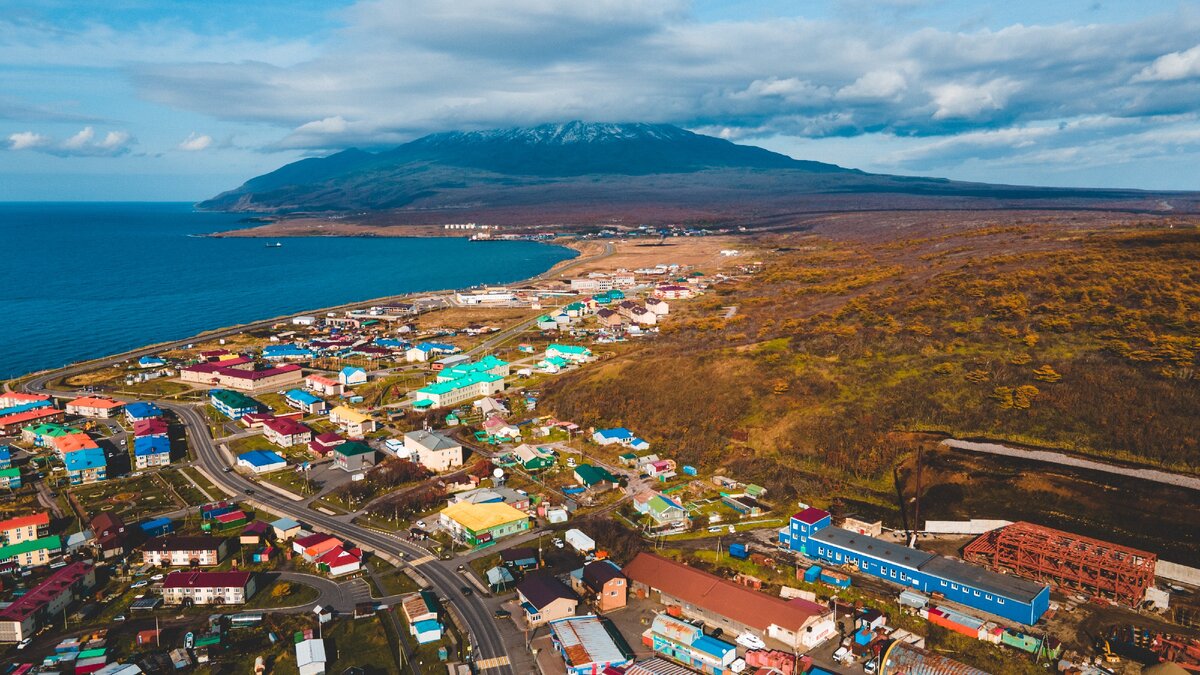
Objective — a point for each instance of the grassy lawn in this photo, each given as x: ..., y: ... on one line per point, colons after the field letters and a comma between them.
x: 161, y: 387
x: 256, y: 442
x: 360, y: 642
x: 183, y: 487
x: 130, y: 498
x: 331, y: 503
x: 291, y: 481
x: 392, y: 579
x: 203, y: 482
x: 298, y: 594
x: 276, y: 402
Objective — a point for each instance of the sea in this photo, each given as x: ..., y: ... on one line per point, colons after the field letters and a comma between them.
x: 85, y: 280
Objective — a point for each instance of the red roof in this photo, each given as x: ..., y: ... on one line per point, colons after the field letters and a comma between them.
x: 154, y: 426
x: 811, y: 515
x: 206, y: 579
x: 215, y: 366
x: 95, y: 402
x: 338, y: 556
x: 44, y: 592
x: 29, y: 416
x: 231, y: 517
x: 720, y: 596
x: 285, y: 426
x: 312, y: 540
x: 39, y: 519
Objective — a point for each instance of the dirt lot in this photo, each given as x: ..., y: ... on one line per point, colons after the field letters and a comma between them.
x: 631, y: 254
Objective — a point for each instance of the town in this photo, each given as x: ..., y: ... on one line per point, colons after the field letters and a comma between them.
x: 378, y: 490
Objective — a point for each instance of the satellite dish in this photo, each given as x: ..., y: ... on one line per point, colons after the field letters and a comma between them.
x: 498, y: 473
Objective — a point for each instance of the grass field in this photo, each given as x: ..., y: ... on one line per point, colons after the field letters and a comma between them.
x: 392, y: 579
x: 131, y: 499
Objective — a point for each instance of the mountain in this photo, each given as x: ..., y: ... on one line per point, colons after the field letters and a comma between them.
x: 601, y: 168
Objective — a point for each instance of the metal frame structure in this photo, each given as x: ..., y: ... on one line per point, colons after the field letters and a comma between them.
x: 1066, y: 560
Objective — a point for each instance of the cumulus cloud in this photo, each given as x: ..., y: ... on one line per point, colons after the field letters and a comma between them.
x: 875, y: 85
x: 971, y: 101
x: 81, y: 144
x: 1173, y: 66
x: 195, y: 142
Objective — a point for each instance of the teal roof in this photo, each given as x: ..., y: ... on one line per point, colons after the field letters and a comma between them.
x: 483, y: 365
x: 569, y: 349
x: 235, y: 400
x: 351, y: 448
x: 440, y: 388
x: 30, y: 545
x: 590, y: 475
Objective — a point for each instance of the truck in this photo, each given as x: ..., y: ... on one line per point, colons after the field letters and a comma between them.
x: 579, y: 541
x: 738, y: 550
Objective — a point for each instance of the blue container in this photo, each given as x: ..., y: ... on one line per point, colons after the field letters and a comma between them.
x: 812, y: 574
x: 689, y: 470
x: 738, y: 551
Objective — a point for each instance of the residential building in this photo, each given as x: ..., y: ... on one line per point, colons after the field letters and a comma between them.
x: 520, y: 558
x: 261, y: 461
x: 241, y: 375
x: 426, y: 350
x: 86, y: 466
x: 323, y: 444
x: 25, y: 528
x: 443, y: 394
x: 208, y: 588
x: 305, y: 401
x: 325, y: 386
x: 354, y: 422
x: 286, y: 432
x: 533, y: 458
x: 350, y: 376
x: 31, y: 552
x: 488, y: 364
x: 5, y: 456
x: 686, y: 643
x: 141, y: 410
x: 482, y: 524
x: 609, y: 319
x: 658, y: 306
x: 313, y: 546
x: 69, y: 443
x: 610, y: 436
x: 111, y: 536
x: 734, y: 608
x: 310, y: 657
x: 232, y: 404
x: 665, y: 513
x: 43, y: 435
x: 544, y: 598
x: 151, y: 362
x: 602, y: 584
x: 151, y: 427
x: 339, y: 561
x: 19, y: 420
x: 353, y: 456
x: 674, y: 292
x: 573, y: 353
x: 198, y: 551
x: 94, y: 406
x: 285, y: 528
x: 435, y: 451
x: 151, y: 451
x: 492, y: 495
x: 421, y: 614
x: 589, y: 645
x: 10, y: 478
x: 45, y: 603
x: 595, y: 478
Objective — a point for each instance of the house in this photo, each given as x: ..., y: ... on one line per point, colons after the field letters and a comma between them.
x: 5, y: 456
x: 324, y: 386
x: 261, y: 461
x: 534, y: 458
x: 590, y: 645
x: 310, y: 657
x: 674, y: 292
x: 422, y: 352
x: 442, y: 394
x: 553, y: 364
x: 497, y: 427
x: 323, y: 444
x: 200, y: 551
x: 573, y: 353
x: 339, y: 561
x: 10, y: 478
x: 285, y: 528
x: 520, y: 558
x: 232, y: 404
x: 609, y: 319
x: 595, y: 478
x: 658, y: 306
x: 354, y: 422
x: 141, y: 410
x: 353, y: 456
x: 421, y: 614
x: 610, y: 436
x: 603, y: 584
x: 435, y: 451
x: 208, y: 588
x: 482, y: 524
x: 286, y: 432
x: 544, y: 598
x: 664, y: 512
x: 305, y: 401
x: 313, y: 546
x: 255, y: 533
x: 490, y: 406
x: 111, y: 537
x: 151, y: 362
x: 86, y: 466
x: 45, y: 603
x: 31, y: 552
x: 351, y: 375
x: 151, y: 427
x: 94, y: 406
x: 734, y: 608
x: 151, y: 451
x: 492, y: 495
x: 25, y: 528
x: 499, y: 579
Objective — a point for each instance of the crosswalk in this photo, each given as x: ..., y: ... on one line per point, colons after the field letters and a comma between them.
x: 495, y: 662
x: 422, y: 560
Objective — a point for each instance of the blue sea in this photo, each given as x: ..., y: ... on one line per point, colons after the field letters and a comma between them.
x: 84, y: 280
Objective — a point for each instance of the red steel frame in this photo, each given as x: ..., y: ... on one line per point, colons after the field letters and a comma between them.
x: 1068, y: 560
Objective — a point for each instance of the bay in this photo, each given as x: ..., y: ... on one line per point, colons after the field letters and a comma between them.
x: 84, y: 280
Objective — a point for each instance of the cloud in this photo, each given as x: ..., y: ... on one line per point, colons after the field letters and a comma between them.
x: 969, y: 101
x: 195, y: 143
x: 1173, y: 66
x: 875, y: 85
x: 81, y: 144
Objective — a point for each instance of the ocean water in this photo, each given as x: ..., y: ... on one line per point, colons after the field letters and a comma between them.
x: 84, y: 280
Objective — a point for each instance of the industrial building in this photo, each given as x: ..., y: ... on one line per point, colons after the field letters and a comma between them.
x: 901, y: 658
x: 1067, y: 560
x: 589, y: 644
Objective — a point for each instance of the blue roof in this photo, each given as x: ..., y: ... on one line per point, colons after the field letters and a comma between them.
x: 151, y: 360
x: 303, y: 396
x: 5, y: 452
x: 427, y: 626
x: 154, y: 522
x: 261, y: 457
x: 151, y: 445
x: 285, y: 523
x: 350, y: 370
x: 713, y: 646
x: 142, y: 410
x: 23, y: 407
x: 391, y: 342
x: 285, y: 350
x: 91, y: 458
x: 619, y: 432
x: 436, y: 346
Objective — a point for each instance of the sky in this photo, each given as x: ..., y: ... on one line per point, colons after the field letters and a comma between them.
x: 178, y: 101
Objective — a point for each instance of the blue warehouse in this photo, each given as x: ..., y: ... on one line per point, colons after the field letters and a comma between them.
x: 1004, y: 595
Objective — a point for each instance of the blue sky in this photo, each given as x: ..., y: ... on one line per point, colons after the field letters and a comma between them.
x: 154, y: 100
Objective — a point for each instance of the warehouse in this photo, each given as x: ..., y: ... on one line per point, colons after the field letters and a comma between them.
x: 1064, y: 559
x: 261, y: 461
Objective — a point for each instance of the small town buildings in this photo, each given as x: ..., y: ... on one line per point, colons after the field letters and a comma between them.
x: 520, y: 558
x: 313, y: 546
x: 664, y: 512
x: 156, y: 527
x: 141, y: 410
x: 595, y: 478
x: 589, y: 645
x: 492, y: 495
x: 94, y: 406
x: 325, y: 386
x: 323, y: 444
x: 232, y: 404
x: 544, y: 598
x: 421, y: 614
x: 255, y: 533
x: 44, y: 603
x: 573, y: 353
x: 310, y: 657
x: 602, y: 584
x: 111, y: 536
x: 434, y: 451
x: 25, y: 528
x: 151, y: 451
x: 619, y: 435
x: 86, y: 466
x: 354, y: 422
x: 5, y: 456
x: 286, y: 352
x: 442, y: 394
x: 42, y: 435
x: 424, y: 351
x: 488, y: 364
x: 498, y: 427
x: 286, y: 432
x: 19, y: 420
x: 609, y: 319
x: 674, y: 292
x: 208, y: 588
x: 241, y: 375
x: 10, y: 478
x: 31, y: 552
x: 285, y: 528
x: 482, y: 524
x: 149, y: 361
x: 151, y: 427
x: 802, y: 524
x: 305, y: 401
x: 658, y: 306
x: 340, y: 561
x: 686, y: 643
x: 200, y: 551
x: 353, y: 456
x: 261, y: 461
x: 352, y: 375
x: 533, y: 458
x: 304, y: 320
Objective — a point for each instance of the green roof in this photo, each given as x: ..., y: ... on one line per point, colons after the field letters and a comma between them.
x: 28, y: 546
x: 351, y: 448
x: 483, y: 365
x: 51, y: 429
x: 574, y: 306
x: 569, y: 349
x: 233, y: 399
x: 590, y: 475
x: 440, y: 388
x: 14, y: 472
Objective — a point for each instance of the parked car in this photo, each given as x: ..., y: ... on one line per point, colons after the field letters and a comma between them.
x: 738, y: 666
x: 156, y: 577
x: 751, y: 641
x: 502, y: 614
x: 24, y: 643
x: 466, y: 590
x: 119, y: 617
x: 869, y: 667
x: 558, y: 543
x: 462, y: 568
x: 139, y: 584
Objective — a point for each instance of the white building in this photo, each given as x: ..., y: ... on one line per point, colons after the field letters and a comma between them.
x: 355, y: 423
x: 208, y: 588
x: 310, y: 657
x: 433, y: 450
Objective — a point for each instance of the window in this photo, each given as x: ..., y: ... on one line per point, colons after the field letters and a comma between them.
x: 903, y: 576
x: 1000, y: 601
x: 893, y: 574
x: 987, y: 596
x: 954, y: 587
x: 943, y: 583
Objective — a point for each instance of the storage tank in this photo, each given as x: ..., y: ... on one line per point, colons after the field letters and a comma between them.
x: 904, y: 659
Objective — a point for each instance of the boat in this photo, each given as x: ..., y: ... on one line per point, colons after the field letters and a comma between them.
x: 275, y: 245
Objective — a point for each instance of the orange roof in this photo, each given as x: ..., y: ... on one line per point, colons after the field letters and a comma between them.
x: 38, y: 519
x: 11, y: 398
x: 29, y: 416
x: 321, y: 379
x: 73, y: 442
x: 95, y: 402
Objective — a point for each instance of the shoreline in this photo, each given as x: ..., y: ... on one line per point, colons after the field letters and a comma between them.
x: 222, y: 331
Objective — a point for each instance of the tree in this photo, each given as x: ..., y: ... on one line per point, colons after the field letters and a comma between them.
x: 281, y: 590
x: 1046, y: 374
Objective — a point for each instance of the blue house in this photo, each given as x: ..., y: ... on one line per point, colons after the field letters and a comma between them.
x: 284, y: 352
x: 141, y: 410
x: 5, y: 456
x: 86, y: 466
x: 151, y: 451
x: 795, y: 535
x: 609, y: 436
x: 305, y: 401
x: 151, y: 362
x: 351, y: 376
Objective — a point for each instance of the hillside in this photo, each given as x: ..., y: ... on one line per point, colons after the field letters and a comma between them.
x: 561, y: 170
